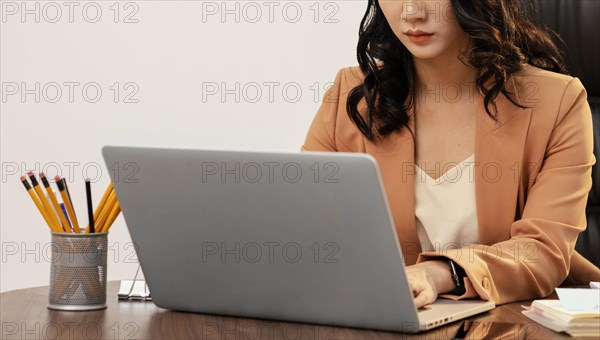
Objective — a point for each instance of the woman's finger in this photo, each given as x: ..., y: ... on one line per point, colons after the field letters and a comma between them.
x: 417, y: 287
x: 421, y: 299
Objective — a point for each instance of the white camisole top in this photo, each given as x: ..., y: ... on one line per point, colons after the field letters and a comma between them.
x: 445, y: 208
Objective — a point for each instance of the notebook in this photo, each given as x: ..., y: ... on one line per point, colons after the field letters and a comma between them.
x: 578, y: 317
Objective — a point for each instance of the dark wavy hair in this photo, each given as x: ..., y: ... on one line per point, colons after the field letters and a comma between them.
x: 504, y: 38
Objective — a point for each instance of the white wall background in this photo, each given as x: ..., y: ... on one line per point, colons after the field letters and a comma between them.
x: 160, y: 55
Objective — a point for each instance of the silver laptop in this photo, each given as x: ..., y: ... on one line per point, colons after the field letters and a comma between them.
x: 303, y: 236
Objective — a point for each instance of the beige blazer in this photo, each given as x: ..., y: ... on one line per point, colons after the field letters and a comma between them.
x: 532, y: 178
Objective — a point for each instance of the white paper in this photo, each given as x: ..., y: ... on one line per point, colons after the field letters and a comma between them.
x: 140, y: 289
x: 579, y: 299
x: 595, y: 285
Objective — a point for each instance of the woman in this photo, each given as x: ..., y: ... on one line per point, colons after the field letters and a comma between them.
x: 484, y: 145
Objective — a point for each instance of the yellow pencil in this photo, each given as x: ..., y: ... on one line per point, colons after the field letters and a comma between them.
x: 106, y: 209
x: 104, y: 199
x: 49, y: 211
x: 59, y: 211
x: 116, y: 210
x: 37, y: 202
x: 68, y: 205
x: 100, y: 207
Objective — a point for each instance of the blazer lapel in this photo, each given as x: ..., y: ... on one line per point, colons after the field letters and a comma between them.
x: 498, y: 164
x: 498, y: 159
x: 395, y: 156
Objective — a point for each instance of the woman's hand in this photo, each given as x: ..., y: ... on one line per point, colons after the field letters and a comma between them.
x: 428, y: 279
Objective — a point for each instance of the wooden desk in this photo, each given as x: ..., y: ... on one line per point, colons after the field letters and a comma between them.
x: 24, y: 315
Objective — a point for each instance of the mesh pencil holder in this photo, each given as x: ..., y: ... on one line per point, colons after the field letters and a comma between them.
x: 78, y: 271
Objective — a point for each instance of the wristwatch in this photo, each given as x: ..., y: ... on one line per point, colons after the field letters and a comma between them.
x: 458, y: 275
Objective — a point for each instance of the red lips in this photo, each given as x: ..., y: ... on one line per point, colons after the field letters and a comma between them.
x: 417, y: 33
x: 418, y: 36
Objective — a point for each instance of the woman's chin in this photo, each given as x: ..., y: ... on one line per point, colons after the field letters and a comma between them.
x: 423, y: 53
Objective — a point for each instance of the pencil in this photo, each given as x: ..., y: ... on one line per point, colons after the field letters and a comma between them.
x: 100, y: 206
x: 88, y: 193
x: 52, y: 206
x: 66, y: 215
x: 112, y: 217
x: 69, y: 196
x: 67, y: 202
x: 50, y: 213
x: 106, y: 209
x: 59, y: 211
x: 36, y: 201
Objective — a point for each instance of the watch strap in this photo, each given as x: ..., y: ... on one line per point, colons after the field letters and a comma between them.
x: 458, y: 275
